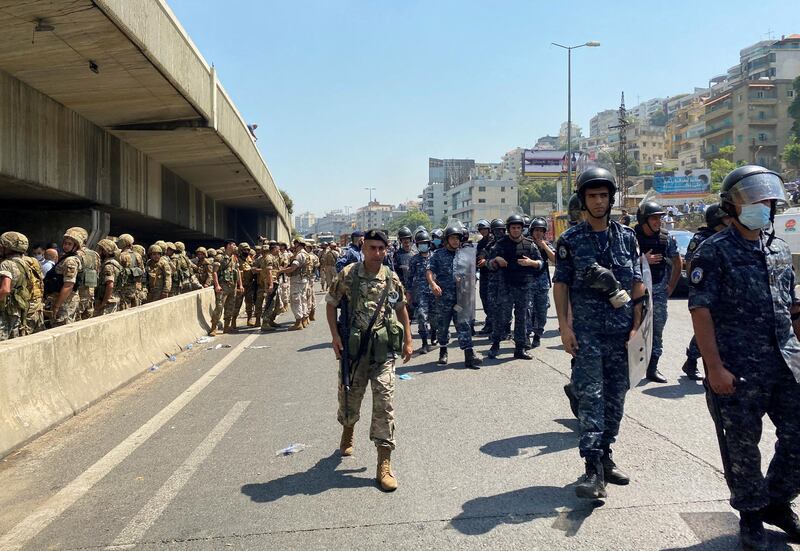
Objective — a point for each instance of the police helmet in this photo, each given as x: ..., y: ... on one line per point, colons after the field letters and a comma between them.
x: 438, y: 233
x: 538, y: 222
x: 14, y: 241
x: 515, y: 219
x: 483, y: 224
x: 595, y: 177
x: 574, y: 208
x: 422, y: 236
x: 648, y: 209
x: 452, y: 230
x: 404, y: 233
x: 714, y: 215
x: 751, y: 184
x: 498, y: 224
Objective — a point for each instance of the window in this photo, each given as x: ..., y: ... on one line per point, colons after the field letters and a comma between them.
x: 502, y: 188
x: 790, y: 93
x: 481, y: 188
x: 503, y: 200
x: 739, y: 138
x: 481, y: 200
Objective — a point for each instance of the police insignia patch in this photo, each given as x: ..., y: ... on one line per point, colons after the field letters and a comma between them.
x: 562, y: 252
x: 697, y: 275
x: 692, y: 245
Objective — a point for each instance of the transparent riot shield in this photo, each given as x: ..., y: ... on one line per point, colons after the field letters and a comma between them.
x: 640, y: 347
x: 464, y: 265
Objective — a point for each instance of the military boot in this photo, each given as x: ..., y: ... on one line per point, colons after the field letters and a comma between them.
x: 494, y: 351
x: 471, y: 360
x: 346, y: 445
x: 266, y: 327
x: 751, y: 531
x: 425, y: 346
x: 212, y: 332
x: 298, y: 325
x: 226, y: 326
x: 442, y: 355
x: 521, y: 354
x: 385, y: 476
x: 250, y: 322
x: 311, y: 314
x: 592, y: 484
x: 305, y: 321
x: 611, y: 472
x: 537, y: 341
x: 433, y: 336
x: 573, y: 399
x: 782, y: 516
x: 653, y: 374
x: 233, y: 326
x: 485, y: 330
x: 690, y: 368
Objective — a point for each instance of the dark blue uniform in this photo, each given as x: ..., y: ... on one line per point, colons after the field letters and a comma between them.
x: 352, y: 255
x: 441, y: 264
x: 600, y: 370
x: 420, y: 291
x: 692, y: 352
x: 748, y: 289
x: 483, y: 284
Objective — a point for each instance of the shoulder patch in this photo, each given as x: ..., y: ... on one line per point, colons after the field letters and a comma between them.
x: 692, y: 245
x: 697, y: 275
x: 563, y: 252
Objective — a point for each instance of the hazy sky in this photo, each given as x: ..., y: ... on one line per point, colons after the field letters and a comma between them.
x: 356, y: 94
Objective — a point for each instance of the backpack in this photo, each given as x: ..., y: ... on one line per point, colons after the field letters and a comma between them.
x: 21, y: 293
x: 37, y: 291
x: 87, y: 279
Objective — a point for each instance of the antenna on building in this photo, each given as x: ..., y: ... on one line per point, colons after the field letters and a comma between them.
x: 622, y: 125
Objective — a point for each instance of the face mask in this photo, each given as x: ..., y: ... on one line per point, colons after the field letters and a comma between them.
x: 755, y: 217
x: 39, y: 257
x: 437, y: 242
x: 423, y: 247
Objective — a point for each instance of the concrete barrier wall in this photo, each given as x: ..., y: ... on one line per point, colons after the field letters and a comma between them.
x: 48, y: 377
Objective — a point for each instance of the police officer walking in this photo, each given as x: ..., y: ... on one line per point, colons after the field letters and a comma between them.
x: 540, y: 289
x: 376, y: 303
x: 662, y: 255
x: 597, y: 273
x: 352, y: 254
x: 746, y: 318
x: 419, y: 292
x: 484, y: 229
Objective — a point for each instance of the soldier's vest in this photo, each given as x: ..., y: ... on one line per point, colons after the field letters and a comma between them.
x: 53, y: 282
x: 154, y: 277
x: 133, y: 273
x: 37, y: 279
x: 657, y: 243
x: 388, y: 337
x: 202, y: 271
x: 308, y: 269
x: 18, y: 301
x: 87, y: 277
x: 100, y: 290
x: 227, y: 270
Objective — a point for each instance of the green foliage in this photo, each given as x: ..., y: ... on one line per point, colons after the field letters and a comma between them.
x: 288, y: 200
x: 721, y: 166
x: 631, y: 167
x: 791, y: 155
x: 411, y: 219
x: 537, y: 191
x: 794, y: 108
x: 659, y: 118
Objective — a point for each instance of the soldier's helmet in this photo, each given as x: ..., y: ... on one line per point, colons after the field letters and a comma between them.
x: 574, y: 208
x: 170, y: 245
x: 212, y: 253
x: 79, y: 235
x: 715, y: 215
x: 422, y: 236
x: 125, y: 240
x: 14, y: 241
x: 751, y: 184
x: 483, y: 224
x: 199, y: 250
x: 245, y: 247
x: 155, y: 249
x: 107, y: 246
x: 139, y: 249
x: 498, y: 224
x: 162, y: 244
x: 180, y: 247
x: 647, y: 209
x: 538, y: 222
x: 515, y: 219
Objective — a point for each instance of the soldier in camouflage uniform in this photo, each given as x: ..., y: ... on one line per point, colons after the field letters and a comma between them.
x: 443, y: 286
x: 327, y: 262
x: 746, y: 318
x: 159, y: 274
x: 188, y: 279
x: 204, y: 267
x: 177, y: 276
x: 298, y: 276
x: 268, y: 285
x: 108, y: 296
x: 595, y: 259
x: 716, y: 221
x: 248, y: 283
x: 15, y: 287
x: 366, y: 285
x: 420, y: 292
x: 61, y: 282
x: 34, y: 320
x: 661, y: 251
x: 133, y: 272
x: 227, y: 284
x: 313, y: 267
x: 90, y: 261
x: 142, y: 254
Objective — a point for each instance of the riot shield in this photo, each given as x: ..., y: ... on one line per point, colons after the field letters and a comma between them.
x: 640, y: 347
x: 464, y: 266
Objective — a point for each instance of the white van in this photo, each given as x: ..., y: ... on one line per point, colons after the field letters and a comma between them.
x: 787, y: 227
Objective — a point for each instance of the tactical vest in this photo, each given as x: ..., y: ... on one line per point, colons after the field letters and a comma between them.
x: 100, y: 290
x: 18, y: 301
x: 53, y: 282
x: 387, y: 333
x: 227, y: 270
x: 37, y: 279
x: 133, y: 273
x: 87, y: 277
x: 657, y: 244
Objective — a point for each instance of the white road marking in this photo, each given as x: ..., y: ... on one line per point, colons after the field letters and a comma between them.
x: 51, y: 509
x: 148, y: 515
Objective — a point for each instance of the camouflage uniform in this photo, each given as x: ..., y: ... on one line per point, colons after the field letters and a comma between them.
x: 68, y: 267
x: 377, y: 371
x: 692, y: 351
x: 90, y: 261
x: 34, y: 320
x: 248, y: 282
x: 420, y: 291
x: 600, y: 370
x: 483, y: 283
x: 299, y: 281
x: 664, y: 244
x: 539, y: 298
x: 268, y: 308
x: 13, y: 307
x: 111, y: 271
x: 756, y: 342
x: 328, y: 267
x: 227, y: 269
x: 159, y: 278
x: 133, y: 270
x: 441, y: 264
x: 142, y: 255
x: 495, y: 288
x: 313, y: 266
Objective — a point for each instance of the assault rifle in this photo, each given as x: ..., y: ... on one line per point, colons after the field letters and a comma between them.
x: 344, y: 360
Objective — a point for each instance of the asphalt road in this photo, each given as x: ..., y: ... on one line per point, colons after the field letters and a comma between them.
x: 185, y: 458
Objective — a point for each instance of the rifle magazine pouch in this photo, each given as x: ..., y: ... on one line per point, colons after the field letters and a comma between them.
x: 354, y: 343
x: 396, y: 333
x: 380, y: 345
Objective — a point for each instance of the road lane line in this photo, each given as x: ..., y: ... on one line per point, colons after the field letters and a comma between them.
x: 148, y: 515
x: 51, y: 509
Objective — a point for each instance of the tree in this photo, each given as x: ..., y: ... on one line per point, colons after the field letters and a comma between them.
x: 791, y: 156
x: 288, y: 201
x: 794, y: 108
x: 721, y: 166
x: 411, y: 219
x: 659, y: 118
x: 536, y: 191
x: 631, y: 164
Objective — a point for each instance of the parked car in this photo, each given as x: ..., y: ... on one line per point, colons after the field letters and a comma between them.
x: 682, y: 238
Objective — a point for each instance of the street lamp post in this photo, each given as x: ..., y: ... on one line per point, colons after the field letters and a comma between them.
x: 559, y: 191
x: 370, y: 189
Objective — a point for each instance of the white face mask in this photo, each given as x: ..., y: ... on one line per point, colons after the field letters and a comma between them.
x: 39, y: 257
x: 755, y: 217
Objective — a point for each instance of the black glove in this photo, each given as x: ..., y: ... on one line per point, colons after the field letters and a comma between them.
x: 603, y: 280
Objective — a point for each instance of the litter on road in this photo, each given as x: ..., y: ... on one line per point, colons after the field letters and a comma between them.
x: 291, y: 450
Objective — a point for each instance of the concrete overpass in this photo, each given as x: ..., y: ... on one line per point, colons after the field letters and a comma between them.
x: 111, y: 118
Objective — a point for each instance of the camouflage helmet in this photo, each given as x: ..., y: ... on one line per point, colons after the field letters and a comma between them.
x: 161, y: 243
x: 79, y: 235
x: 199, y: 250
x: 107, y: 246
x: 124, y: 241
x: 14, y: 241
x: 170, y: 245
x: 180, y: 247
x: 155, y: 249
x: 244, y: 246
x: 211, y: 252
x: 139, y: 249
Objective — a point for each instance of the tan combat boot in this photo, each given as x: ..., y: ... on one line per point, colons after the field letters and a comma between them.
x: 346, y: 445
x: 213, y: 331
x: 250, y: 322
x: 305, y: 321
x: 311, y: 314
x: 298, y: 325
x: 226, y: 328
x: 385, y: 476
x: 233, y: 325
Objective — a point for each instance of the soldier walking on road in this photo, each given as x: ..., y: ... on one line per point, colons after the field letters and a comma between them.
x: 597, y: 272
x: 15, y: 284
x: 248, y: 283
x: 746, y: 318
x: 62, y: 282
x: 227, y: 283
x: 328, y: 265
x: 298, y: 276
x: 376, y: 301
x: 108, y: 297
x: 270, y: 267
x: 159, y: 274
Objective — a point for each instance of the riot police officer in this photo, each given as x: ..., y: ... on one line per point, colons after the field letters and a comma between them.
x: 484, y: 229
x: 597, y: 276
x: 540, y: 289
x: 746, y: 317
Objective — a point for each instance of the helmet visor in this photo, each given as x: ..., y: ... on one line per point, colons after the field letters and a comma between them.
x: 756, y: 188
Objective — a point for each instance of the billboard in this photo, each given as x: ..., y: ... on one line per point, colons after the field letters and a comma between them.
x: 676, y: 184
x: 545, y: 163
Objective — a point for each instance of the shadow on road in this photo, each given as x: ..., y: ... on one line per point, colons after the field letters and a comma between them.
x: 321, y: 477
x: 318, y: 346
x: 684, y: 387
x: 546, y: 442
x: 720, y: 531
x: 483, y: 514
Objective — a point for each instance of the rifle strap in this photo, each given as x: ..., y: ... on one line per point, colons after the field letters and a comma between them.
x: 366, y: 335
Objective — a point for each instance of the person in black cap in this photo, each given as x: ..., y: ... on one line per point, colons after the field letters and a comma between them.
x: 352, y: 254
x: 378, y: 330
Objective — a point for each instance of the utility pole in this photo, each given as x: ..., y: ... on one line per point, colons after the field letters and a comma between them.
x: 370, y: 189
x: 622, y: 125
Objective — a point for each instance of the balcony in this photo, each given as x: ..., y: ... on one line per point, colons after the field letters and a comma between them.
x: 719, y: 109
x: 714, y: 130
x: 770, y: 120
x: 762, y: 98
